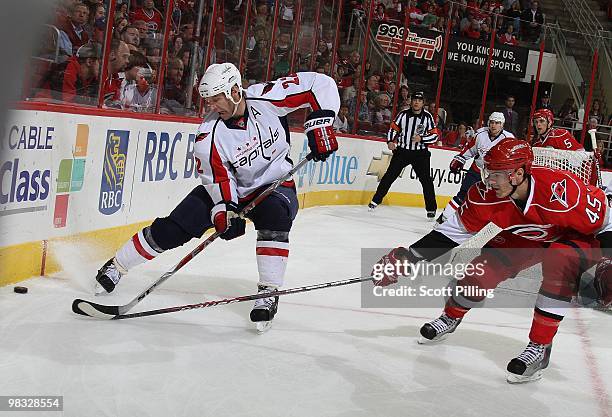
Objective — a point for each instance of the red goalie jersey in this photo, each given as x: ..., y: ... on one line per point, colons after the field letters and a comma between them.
x: 559, y: 203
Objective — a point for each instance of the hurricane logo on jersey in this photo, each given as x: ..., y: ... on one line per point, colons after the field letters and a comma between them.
x: 559, y: 193
x: 535, y: 232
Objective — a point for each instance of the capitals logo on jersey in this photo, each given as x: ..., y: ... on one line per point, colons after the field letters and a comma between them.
x: 559, y: 193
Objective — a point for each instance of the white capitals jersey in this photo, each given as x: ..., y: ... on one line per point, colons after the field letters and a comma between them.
x: 236, y: 157
x: 480, y: 144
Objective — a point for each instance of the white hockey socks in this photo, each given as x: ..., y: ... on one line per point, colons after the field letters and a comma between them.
x: 139, y: 249
x: 272, y: 253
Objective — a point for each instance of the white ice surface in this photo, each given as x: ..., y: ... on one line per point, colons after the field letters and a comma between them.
x: 324, y: 356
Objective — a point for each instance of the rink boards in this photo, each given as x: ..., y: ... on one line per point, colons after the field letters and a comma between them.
x: 98, y: 179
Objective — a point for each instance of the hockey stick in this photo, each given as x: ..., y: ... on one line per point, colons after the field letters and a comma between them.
x: 88, y: 308
x: 240, y: 299
x: 595, y: 153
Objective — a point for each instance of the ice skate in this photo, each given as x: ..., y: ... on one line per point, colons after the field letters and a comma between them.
x: 264, y: 309
x: 108, y: 277
x: 431, y: 216
x: 438, y: 329
x: 529, y: 365
x: 372, y: 206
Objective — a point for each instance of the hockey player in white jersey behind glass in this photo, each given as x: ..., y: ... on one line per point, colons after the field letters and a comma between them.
x: 476, y: 148
x: 547, y: 216
x: 241, y: 148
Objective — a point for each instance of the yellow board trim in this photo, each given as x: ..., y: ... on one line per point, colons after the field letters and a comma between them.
x: 23, y: 261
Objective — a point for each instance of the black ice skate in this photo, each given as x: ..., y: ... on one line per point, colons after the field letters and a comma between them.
x: 264, y: 309
x: 372, y: 206
x: 529, y: 365
x: 108, y: 277
x: 438, y: 329
x: 431, y: 216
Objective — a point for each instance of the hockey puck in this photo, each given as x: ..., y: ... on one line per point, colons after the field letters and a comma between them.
x: 20, y: 290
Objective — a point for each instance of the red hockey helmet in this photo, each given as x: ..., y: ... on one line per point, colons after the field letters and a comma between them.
x: 544, y: 114
x: 509, y: 154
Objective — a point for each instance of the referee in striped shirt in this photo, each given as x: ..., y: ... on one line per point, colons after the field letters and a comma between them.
x: 409, y: 135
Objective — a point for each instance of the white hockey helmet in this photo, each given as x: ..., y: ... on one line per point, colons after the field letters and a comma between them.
x: 220, y: 78
x: 497, y: 116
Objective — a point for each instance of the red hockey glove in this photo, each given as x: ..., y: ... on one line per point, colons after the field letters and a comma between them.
x: 457, y: 163
x: 320, y: 132
x: 390, y: 267
x: 227, y: 222
x: 603, y: 282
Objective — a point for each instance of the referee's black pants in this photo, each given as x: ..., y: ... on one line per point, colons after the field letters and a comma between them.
x: 420, y: 163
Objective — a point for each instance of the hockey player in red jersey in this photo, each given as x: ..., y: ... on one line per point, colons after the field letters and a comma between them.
x: 537, y: 208
x: 241, y: 148
x: 552, y: 137
x: 475, y: 149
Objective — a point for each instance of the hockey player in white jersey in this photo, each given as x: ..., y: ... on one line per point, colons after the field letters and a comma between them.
x: 241, y: 148
x: 483, y: 140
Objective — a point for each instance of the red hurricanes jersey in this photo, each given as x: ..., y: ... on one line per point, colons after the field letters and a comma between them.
x: 559, y: 203
x: 558, y: 139
x: 153, y: 19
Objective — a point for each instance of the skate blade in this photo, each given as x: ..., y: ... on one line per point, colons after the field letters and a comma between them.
x: 424, y: 341
x: 520, y: 379
x: 263, y: 326
x: 99, y: 290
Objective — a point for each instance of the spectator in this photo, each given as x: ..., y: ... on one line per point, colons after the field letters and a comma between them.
x: 119, y: 27
x: 341, y: 122
x: 176, y: 47
x: 323, y: 54
x: 141, y: 96
x: 533, y: 20
x: 372, y: 87
x: 473, y: 31
x: 121, y: 11
x: 76, y: 80
x: 544, y: 102
x: 97, y: 23
x: 596, y: 111
x: 128, y: 77
x: 379, y: 14
x: 416, y: 14
x: 118, y: 59
x: 403, y: 101
x: 568, y: 113
x: 74, y: 26
x: 149, y: 15
x: 173, y: 89
x: 382, y: 113
x: 388, y: 78
x: 363, y: 114
x: 141, y: 25
x: 353, y: 63
x: 262, y: 15
x: 485, y: 32
x: 591, y: 125
x: 508, y: 38
x: 131, y: 36
x: 287, y: 14
x: 351, y: 91
x: 511, y: 116
x: 456, y: 137
x: 282, y: 55
x: 514, y: 15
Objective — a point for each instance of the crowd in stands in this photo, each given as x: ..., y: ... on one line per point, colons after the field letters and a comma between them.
x: 137, y: 42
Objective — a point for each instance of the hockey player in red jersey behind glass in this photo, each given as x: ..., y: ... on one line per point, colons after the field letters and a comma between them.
x: 240, y: 149
x: 538, y: 208
x: 550, y: 137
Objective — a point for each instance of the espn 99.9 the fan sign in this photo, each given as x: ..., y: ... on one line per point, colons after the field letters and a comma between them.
x: 423, y: 43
